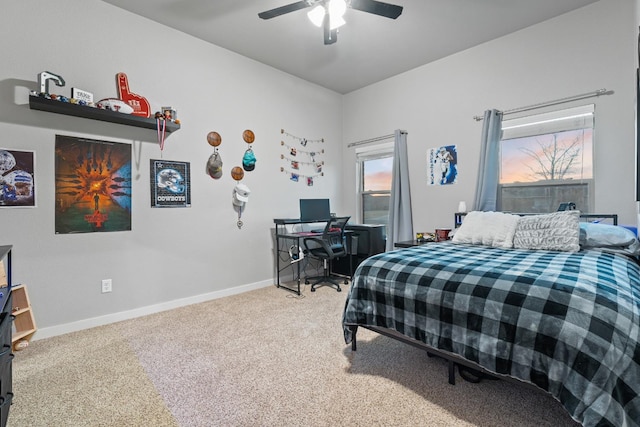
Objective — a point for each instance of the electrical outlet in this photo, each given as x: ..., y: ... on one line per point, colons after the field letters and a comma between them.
x: 106, y: 285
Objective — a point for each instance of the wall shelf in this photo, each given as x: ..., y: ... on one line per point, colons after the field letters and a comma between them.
x: 66, y: 108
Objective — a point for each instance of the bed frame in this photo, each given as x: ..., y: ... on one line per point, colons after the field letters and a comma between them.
x: 452, y: 359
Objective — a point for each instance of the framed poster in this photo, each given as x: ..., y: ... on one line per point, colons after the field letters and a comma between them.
x: 442, y: 165
x: 170, y: 184
x: 17, y: 178
x: 93, y: 185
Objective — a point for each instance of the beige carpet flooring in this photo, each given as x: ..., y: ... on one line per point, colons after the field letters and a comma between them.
x: 262, y: 358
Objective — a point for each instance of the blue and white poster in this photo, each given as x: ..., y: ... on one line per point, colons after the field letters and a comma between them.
x: 17, y: 183
x: 442, y: 165
x: 170, y: 184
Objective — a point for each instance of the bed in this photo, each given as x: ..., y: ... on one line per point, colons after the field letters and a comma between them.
x: 565, y: 319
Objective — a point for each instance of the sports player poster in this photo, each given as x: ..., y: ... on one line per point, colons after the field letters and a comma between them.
x: 442, y: 165
x: 93, y: 185
x: 17, y: 181
x: 170, y: 184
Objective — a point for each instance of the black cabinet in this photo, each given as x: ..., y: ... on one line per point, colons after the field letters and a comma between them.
x: 363, y: 240
x: 6, y: 358
x: 6, y: 318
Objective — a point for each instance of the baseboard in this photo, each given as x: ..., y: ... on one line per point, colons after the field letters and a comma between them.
x: 93, y: 322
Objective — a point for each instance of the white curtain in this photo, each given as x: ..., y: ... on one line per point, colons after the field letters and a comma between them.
x: 400, y: 226
x: 489, y: 168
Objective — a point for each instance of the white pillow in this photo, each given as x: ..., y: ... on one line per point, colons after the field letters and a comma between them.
x: 487, y: 228
x: 558, y: 231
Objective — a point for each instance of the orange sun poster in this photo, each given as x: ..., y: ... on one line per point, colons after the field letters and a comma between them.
x: 93, y: 185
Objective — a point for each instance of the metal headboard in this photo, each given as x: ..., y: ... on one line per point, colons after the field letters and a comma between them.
x: 586, y: 217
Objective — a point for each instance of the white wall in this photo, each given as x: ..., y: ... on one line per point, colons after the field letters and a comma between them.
x: 170, y: 254
x: 198, y: 252
x: 582, y: 51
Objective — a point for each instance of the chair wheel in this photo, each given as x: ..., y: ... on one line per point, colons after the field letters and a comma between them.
x: 339, y: 290
x: 306, y: 281
x: 313, y: 290
x: 346, y: 282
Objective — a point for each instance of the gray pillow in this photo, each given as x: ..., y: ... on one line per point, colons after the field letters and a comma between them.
x: 558, y: 231
x: 595, y: 235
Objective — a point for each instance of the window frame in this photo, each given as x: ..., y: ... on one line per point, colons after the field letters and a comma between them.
x: 363, y: 154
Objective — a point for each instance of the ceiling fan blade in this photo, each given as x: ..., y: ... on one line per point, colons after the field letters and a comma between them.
x: 330, y: 36
x: 377, y: 7
x: 285, y: 9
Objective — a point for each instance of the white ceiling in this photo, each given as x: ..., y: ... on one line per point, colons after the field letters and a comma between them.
x: 369, y: 49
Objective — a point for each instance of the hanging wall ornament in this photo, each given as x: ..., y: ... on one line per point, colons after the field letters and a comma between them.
x: 302, y: 159
x: 309, y: 154
x: 248, y: 136
x: 240, y: 193
x: 214, y: 164
x: 295, y: 175
x: 301, y: 162
x: 302, y: 141
x: 214, y: 139
x: 249, y: 158
x: 161, y: 126
x: 237, y: 173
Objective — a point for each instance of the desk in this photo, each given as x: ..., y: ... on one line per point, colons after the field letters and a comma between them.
x: 282, y: 235
x: 285, y: 239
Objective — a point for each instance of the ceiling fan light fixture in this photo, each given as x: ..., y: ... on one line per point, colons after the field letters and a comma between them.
x: 336, y: 22
x: 334, y: 8
x: 337, y: 8
x: 316, y: 15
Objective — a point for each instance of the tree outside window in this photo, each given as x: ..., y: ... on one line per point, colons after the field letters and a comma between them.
x: 540, y: 171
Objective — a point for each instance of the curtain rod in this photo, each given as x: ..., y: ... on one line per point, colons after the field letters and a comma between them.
x: 376, y: 139
x: 598, y: 92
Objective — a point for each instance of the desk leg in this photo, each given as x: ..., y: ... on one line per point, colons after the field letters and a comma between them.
x: 299, y: 262
x: 277, y: 258
x: 278, y: 266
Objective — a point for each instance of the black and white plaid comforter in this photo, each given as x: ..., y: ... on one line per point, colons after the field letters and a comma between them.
x: 566, y: 322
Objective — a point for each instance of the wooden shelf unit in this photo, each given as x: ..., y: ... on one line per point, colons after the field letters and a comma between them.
x: 69, y: 109
x: 24, y: 323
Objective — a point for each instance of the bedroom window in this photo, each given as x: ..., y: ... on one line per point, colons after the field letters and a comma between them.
x: 547, y: 159
x: 374, y: 167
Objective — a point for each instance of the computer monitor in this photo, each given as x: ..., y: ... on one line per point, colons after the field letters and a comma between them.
x: 314, y: 210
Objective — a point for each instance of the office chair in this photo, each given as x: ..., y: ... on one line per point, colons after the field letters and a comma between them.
x: 330, y: 245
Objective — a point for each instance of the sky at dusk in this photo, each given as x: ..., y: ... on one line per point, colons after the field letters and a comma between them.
x: 516, y: 165
x: 377, y: 174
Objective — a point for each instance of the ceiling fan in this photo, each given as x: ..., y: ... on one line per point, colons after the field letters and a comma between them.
x: 323, y: 12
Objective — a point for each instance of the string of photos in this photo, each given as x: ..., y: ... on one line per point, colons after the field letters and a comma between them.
x: 303, y: 158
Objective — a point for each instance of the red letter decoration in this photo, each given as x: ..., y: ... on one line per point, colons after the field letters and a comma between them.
x: 139, y: 103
